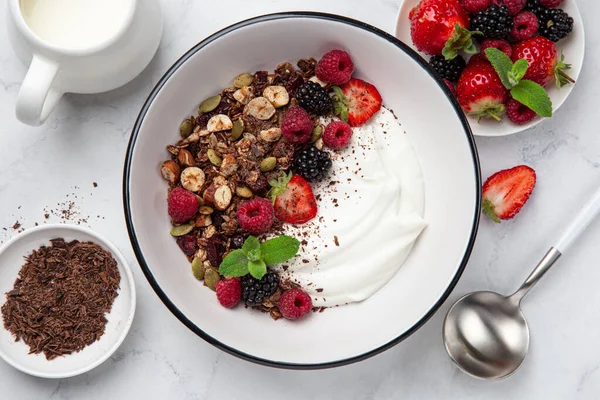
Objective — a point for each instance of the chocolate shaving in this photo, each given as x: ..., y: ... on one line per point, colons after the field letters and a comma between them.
x: 60, y: 298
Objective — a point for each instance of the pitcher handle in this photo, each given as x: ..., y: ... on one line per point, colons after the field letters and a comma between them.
x: 37, y: 98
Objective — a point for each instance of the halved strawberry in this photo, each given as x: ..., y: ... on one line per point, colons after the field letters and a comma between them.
x: 505, y: 192
x: 293, y: 198
x: 356, y: 101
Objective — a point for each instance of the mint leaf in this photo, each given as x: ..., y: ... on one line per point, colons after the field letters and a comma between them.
x: 254, y: 255
x: 250, y: 244
x: 519, y: 69
x: 235, y: 264
x: 533, y: 96
x: 502, y: 64
x: 279, y: 249
x: 257, y: 269
x: 488, y: 209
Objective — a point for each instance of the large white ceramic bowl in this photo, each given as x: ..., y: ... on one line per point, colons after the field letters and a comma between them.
x: 119, y: 319
x: 573, y: 48
x: 443, y: 143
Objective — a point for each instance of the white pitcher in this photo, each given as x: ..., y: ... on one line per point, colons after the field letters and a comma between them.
x: 79, y: 46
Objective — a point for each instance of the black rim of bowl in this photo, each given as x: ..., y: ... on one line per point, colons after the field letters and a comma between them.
x: 140, y: 257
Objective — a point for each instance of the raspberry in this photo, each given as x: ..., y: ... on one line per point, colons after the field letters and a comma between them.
x: 450, y: 86
x: 526, y: 25
x: 256, y: 215
x: 187, y: 244
x: 294, y: 304
x: 229, y: 292
x: 551, y: 3
x: 518, y: 113
x: 335, y: 67
x: 255, y: 291
x: 499, y: 44
x: 313, y: 98
x: 183, y: 205
x: 514, y: 6
x: 474, y: 6
x: 337, y: 134
x: 296, y: 125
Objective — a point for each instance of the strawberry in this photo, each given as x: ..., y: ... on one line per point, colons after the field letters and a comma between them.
x: 356, y: 101
x: 435, y: 22
x: 545, y: 65
x: 294, y: 201
x: 505, y: 192
x: 480, y: 91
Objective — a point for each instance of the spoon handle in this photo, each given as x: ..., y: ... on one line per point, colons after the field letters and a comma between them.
x: 582, y: 220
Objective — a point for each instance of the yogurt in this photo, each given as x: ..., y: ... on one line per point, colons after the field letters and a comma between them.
x: 370, y: 215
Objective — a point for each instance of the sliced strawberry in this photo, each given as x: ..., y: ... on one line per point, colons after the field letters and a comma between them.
x: 505, y: 192
x: 294, y: 199
x: 357, y: 101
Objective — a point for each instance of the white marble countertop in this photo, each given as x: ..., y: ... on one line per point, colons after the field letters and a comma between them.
x: 85, y: 139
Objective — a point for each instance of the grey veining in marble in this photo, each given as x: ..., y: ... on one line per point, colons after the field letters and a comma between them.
x: 85, y: 140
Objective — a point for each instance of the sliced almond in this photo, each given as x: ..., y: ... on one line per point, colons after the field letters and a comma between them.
x: 229, y: 165
x: 170, y: 171
x: 244, y: 95
x: 270, y: 135
x: 186, y: 158
x: 192, y: 179
x: 260, y: 108
x: 277, y: 95
x: 203, y: 220
x: 218, y: 123
x: 222, y: 197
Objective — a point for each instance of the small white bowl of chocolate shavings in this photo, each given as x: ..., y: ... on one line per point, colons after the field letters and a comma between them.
x: 67, y: 300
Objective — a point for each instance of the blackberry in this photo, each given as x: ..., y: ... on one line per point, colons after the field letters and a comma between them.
x: 311, y: 163
x: 555, y: 24
x: 448, y: 69
x: 313, y: 98
x: 255, y: 291
x: 494, y: 22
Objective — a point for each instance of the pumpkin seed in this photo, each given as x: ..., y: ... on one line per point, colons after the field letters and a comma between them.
x: 200, y: 200
x: 181, y: 230
x: 244, y: 79
x: 244, y: 192
x: 268, y: 164
x: 186, y: 128
x: 209, y: 104
x: 316, y: 133
x: 214, y: 158
x: 238, y: 129
x: 198, y: 269
x: 206, y: 210
x: 211, y: 277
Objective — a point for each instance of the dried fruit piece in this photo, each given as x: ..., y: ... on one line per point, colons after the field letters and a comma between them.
x: 244, y: 192
x: 223, y: 197
x: 277, y: 95
x: 209, y: 104
x: 181, y: 230
x: 219, y: 123
x: 238, y: 129
x: 211, y: 277
x: 170, y: 171
x: 214, y: 158
x: 186, y: 158
x: 270, y: 135
x: 186, y: 128
x: 192, y: 179
x: 268, y: 164
x: 243, y: 79
x: 198, y: 268
x: 260, y: 108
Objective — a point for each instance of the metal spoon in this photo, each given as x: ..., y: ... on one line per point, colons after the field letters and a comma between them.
x: 485, y: 333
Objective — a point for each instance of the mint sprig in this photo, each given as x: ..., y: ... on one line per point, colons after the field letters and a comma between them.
x: 340, y: 103
x: 526, y: 92
x: 461, y: 40
x: 254, y: 257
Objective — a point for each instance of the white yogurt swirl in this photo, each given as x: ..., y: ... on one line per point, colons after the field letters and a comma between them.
x: 368, y: 221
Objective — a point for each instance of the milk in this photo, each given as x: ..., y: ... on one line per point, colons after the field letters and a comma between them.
x: 76, y: 24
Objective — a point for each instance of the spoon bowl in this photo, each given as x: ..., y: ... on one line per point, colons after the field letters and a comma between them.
x: 486, y: 335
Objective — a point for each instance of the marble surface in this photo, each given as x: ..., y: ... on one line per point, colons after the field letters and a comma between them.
x: 84, y: 141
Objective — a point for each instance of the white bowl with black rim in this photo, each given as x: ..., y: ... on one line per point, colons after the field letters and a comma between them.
x: 119, y: 319
x: 443, y: 143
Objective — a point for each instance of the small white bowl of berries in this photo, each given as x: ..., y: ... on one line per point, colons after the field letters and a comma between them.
x: 510, y: 63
